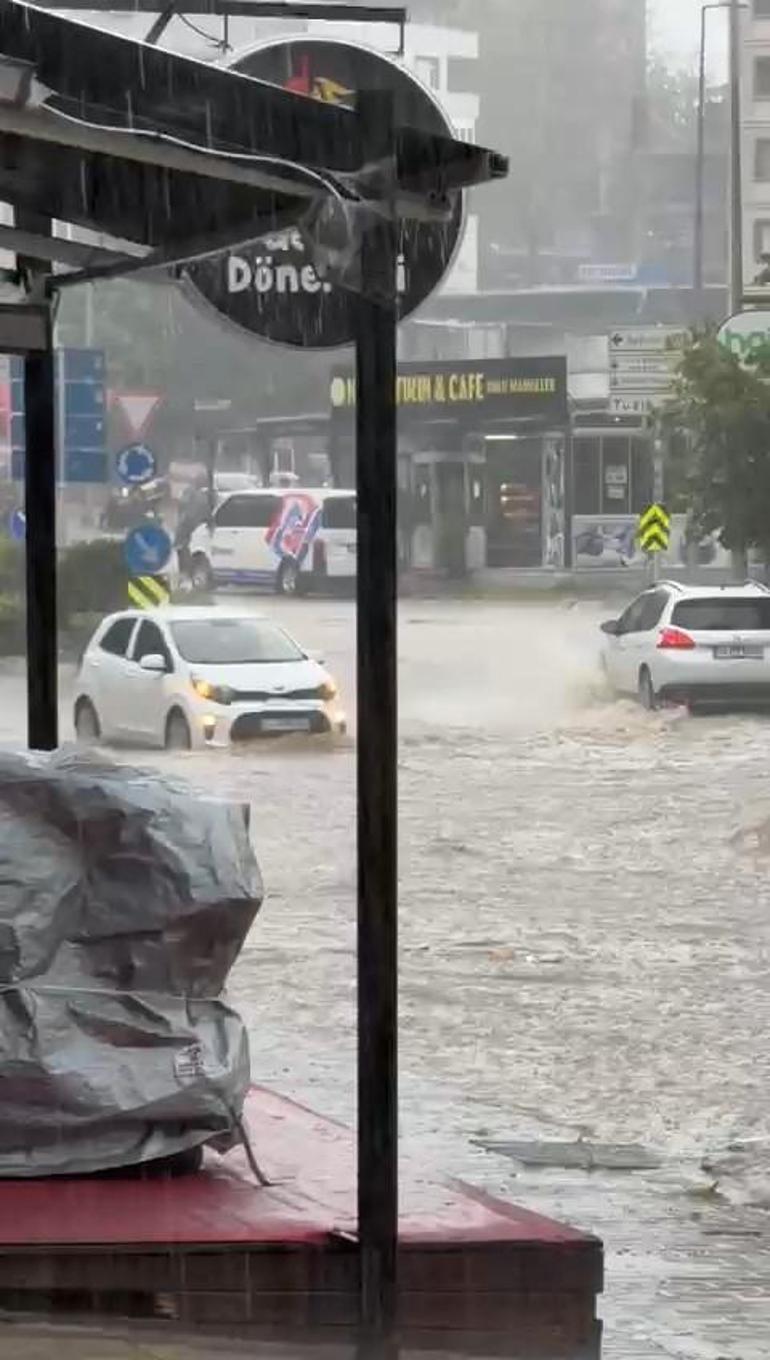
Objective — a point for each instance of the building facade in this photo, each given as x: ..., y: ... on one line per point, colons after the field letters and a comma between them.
x: 755, y: 117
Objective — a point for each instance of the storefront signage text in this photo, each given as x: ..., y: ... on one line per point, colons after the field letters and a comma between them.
x: 453, y: 388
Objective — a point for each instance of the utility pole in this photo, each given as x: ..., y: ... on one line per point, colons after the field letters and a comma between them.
x: 736, y: 184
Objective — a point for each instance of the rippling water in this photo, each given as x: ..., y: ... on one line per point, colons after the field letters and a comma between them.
x: 585, y: 947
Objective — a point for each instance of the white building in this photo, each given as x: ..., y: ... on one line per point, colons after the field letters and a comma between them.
x: 755, y: 117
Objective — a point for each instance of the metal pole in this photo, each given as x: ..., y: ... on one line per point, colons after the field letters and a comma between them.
x: 40, y: 511
x: 376, y: 447
x: 699, y: 169
x: 736, y: 186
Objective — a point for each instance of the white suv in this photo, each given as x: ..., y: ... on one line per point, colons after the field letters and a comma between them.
x: 692, y: 645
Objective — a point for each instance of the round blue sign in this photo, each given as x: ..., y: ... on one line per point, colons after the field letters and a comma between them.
x: 136, y: 464
x: 18, y: 526
x: 147, y: 549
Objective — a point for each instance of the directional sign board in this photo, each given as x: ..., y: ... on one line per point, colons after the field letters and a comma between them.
x: 136, y: 464
x: 654, y: 529
x: 147, y: 549
x: 647, y: 340
x: 632, y: 404
x: 642, y: 364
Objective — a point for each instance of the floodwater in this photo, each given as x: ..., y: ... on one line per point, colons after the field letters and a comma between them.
x: 585, y: 950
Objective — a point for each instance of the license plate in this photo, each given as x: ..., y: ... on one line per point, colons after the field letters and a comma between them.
x: 737, y: 652
x: 285, y: 724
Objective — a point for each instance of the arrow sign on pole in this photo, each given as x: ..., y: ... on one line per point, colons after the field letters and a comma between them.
x: 654, y: 529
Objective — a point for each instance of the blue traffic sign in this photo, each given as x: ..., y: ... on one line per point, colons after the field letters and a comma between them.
x: 147, y: 549
x: 136, y: 464
x: 18, y: 526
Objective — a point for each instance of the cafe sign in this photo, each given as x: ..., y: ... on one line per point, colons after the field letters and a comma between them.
x: 491, y: 389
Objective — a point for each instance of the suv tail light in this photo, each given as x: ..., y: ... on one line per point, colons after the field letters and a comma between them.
x: 675, y: 639
x: 319, y: 556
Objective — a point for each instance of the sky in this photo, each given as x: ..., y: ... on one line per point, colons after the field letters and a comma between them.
x: 675, y: 33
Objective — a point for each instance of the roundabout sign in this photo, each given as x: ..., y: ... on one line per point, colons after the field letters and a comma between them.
x: 271, y: 289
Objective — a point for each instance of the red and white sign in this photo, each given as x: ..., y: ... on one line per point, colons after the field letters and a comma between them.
x: 137, y: 409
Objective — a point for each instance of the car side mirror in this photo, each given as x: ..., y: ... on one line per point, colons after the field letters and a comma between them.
x: 612, y: 627
x: 154, y: 662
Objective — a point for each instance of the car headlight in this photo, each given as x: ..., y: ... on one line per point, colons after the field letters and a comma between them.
x: 217, y: 694
x: 328, y: 690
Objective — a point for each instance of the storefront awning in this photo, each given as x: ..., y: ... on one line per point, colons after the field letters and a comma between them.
x: 179, y: 157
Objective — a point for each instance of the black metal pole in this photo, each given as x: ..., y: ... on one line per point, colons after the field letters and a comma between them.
x: 700, y: 157
x: 40, y: 511
x: 376, y: 447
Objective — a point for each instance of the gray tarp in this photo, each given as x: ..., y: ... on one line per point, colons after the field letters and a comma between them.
x: 124, y: 902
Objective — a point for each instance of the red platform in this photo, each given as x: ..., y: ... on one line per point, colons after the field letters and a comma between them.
x: 476, y: 1274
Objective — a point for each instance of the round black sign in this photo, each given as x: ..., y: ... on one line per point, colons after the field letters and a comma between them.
x: 271, y: 288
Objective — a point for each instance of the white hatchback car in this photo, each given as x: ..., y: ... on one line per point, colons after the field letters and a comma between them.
x: 694, y: 645
x: 195, y: 677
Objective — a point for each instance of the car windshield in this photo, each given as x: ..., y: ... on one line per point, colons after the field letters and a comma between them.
x: 720, y: 615
x: 233, y: 642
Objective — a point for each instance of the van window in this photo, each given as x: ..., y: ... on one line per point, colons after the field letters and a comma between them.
x: 246, y: 512
x: 339, y: 512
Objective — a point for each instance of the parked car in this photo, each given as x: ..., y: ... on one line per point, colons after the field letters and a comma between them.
x: 197, y: 677
x: 692, y: 645
x: 292, y: 541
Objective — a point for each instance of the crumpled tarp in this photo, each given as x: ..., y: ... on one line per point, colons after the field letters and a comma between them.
x: 124, y: 902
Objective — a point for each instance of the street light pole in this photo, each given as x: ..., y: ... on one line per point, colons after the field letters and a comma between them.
x: 736, y: 185
x: 700, y: 165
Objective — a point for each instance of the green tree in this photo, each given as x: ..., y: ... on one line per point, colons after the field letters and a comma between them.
x: 718, y: 434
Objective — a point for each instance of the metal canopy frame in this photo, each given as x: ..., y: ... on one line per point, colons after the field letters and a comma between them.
x: 128, y: 143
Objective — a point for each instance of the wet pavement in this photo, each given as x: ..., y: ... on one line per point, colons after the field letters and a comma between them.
x: 585, y: 950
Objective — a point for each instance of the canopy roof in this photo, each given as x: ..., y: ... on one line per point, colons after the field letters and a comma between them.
x: 178, y: 157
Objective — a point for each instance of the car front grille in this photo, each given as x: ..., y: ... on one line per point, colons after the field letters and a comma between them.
x: 249, y: 726
x: 262, y: 696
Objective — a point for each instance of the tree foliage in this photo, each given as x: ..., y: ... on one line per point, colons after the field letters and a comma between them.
x: 717, y: 430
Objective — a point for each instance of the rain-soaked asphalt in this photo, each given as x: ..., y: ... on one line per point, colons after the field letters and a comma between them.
x: 585, y: 949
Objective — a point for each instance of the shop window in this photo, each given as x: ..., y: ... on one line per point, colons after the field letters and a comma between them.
x: 423, y: 509
x: 641, y: 475
x: 761, y: 239
x: 476, y: 496
x: 762, y: 77
x: 586, y: 491
x: 615, y: 476
x: 762, y: 158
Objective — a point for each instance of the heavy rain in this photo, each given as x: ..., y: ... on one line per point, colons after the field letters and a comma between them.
x: 582, y: 478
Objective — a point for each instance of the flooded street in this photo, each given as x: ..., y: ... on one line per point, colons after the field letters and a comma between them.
x: 585, y: 949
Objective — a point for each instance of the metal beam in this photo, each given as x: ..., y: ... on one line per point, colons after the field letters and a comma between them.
x: 267, y: 174
x: 257, y: 9
x: 377, y: 747
x: 57, y: 249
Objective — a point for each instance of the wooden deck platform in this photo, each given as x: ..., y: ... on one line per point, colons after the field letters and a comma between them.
x: 216, y: 1250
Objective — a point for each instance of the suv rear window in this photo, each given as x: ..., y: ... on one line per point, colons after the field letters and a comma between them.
x: 723, y: 615
x: 339, y: 512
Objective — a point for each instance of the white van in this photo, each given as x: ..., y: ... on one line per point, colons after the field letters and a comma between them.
x: 292, y: 540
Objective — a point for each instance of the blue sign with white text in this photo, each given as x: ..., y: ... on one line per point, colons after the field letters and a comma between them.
x: 136, y: 464
x: 81, y: 416
x: 147, y: 549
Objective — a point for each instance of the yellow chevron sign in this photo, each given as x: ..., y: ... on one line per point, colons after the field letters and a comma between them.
x: 654, y: 529
x: 148, y: 592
